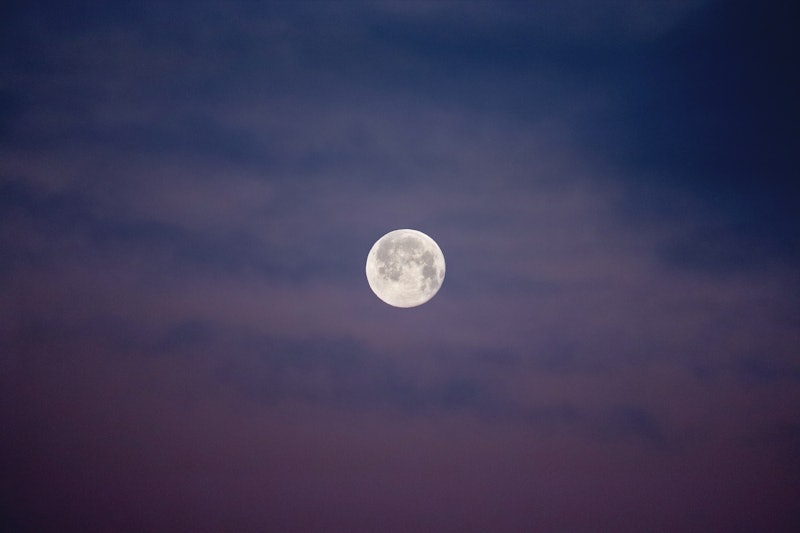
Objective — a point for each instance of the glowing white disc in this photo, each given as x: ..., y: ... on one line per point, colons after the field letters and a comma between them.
x: 405, y: 268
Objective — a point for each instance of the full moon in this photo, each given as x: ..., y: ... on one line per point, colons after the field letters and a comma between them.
x: 405, y: 268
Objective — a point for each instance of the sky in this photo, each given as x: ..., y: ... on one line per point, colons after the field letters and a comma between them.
x: 188, y: 193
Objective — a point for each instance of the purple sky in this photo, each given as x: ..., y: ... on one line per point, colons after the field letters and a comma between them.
x: 187, y: 197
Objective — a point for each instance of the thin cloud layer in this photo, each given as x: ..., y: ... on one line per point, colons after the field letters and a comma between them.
x: 187, y: 198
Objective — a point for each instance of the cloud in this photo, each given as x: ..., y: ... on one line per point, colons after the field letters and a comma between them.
x: 187, y: 201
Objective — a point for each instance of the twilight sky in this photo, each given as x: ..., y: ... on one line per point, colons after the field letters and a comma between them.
x: 188, y: 192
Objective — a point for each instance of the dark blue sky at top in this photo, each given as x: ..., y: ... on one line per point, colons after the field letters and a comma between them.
x: 707, y: 105
x: 187, y: 196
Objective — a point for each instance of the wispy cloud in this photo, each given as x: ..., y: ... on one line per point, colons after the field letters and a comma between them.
x: 186, y: 203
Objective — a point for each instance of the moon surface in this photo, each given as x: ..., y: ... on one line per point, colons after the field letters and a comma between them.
x: 405, y: 268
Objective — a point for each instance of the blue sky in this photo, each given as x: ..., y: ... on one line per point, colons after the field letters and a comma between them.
x: 188, y: 195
